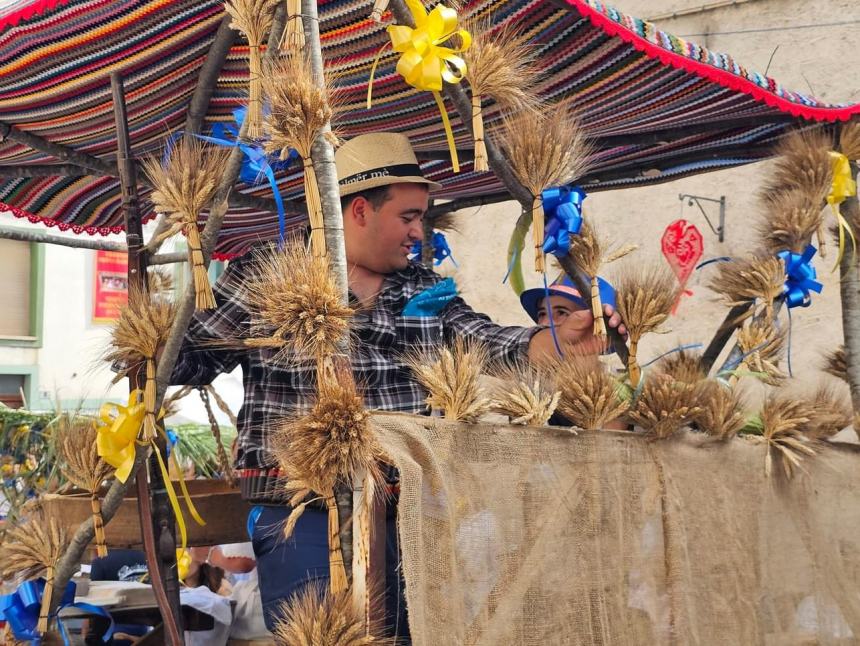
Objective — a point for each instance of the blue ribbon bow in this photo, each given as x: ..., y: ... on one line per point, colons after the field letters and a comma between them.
x: 562, y: 209
x: 172, y: 438
x: 432, y: 300
x: 441, y: 250
x: 256, y: 164
x: 21, y: 611
x: 800, y: 277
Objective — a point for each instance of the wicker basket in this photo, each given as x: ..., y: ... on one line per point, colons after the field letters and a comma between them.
x: 219, y: 503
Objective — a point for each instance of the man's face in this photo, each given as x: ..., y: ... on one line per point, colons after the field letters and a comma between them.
x: 564, y: 311
x: 384, y: 240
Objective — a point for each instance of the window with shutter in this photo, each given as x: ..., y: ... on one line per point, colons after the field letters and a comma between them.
x: 15, y: 290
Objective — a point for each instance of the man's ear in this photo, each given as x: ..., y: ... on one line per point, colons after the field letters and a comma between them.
x: 358, y: 211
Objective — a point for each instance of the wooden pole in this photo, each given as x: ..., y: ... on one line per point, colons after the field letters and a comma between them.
x: 156, y: 516
x: 850, y: 296
x: 322, y: 155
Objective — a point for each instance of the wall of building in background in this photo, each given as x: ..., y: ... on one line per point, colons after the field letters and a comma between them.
x: 821, y: 59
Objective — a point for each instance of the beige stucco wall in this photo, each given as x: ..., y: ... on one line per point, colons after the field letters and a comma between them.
x: 826, y: 56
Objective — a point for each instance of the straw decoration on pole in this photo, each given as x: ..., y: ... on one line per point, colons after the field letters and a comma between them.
x: 545, y: 148
x: 757, y: 279
x: 31, y: 550
x: 836, y: 364
x: 184, y: 185
x: 644, y: 297
x: 832, y: 412
x: 254, y: 19
x: 665, y: 405
x: 84, y: 468
x: 525, y: 393
x: 499, y: 62
x: 589, y: 394
x: 324, y: 448
x: 300, y: 111
x: 293, y: 39
x: 762, y: 345
x: 782, y: 421
x: 723, y: 410
x: 451, y: 376
x: 142, y: 328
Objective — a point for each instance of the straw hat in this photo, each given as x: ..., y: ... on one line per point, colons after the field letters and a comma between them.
x: 377, y: 159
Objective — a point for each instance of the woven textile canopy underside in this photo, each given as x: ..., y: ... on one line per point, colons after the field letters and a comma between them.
x: 657, y: 106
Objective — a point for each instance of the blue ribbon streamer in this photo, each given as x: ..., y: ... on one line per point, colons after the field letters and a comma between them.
x: 253, y: 517
x: 562, y: 207
x: 441, y: 250
x: 21, y: 611
x: 800, y: 277
x: 172, y: 438
x: 680, y: 348
x: 432, y: 300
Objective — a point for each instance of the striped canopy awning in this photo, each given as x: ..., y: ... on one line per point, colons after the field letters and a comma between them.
x: 657, y: 106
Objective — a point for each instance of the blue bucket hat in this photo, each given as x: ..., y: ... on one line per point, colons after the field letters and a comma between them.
x: 563, y: 286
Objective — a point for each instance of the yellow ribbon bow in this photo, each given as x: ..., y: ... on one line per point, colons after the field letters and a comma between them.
x: 424, y: 63
x: 183, y: 563
x: 842, y: 188
x: 117, y: 430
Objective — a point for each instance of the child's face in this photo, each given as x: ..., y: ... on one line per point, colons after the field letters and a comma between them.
x: 563, y: 309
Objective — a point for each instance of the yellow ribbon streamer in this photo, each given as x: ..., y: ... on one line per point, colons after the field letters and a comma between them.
x: 424, y: 63
x: 842, y: 188
x: 117, y: 430
x: 116, y: 439
x: 183, y: 563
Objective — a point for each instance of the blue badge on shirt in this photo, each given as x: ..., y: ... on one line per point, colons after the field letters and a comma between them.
x: 432, y: 300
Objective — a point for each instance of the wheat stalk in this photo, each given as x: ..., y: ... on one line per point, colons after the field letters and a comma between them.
x: 301, y: 110
x: 783, y: 420
x: 31, y: 550
x: 590, y: 396
x: 644, y: 297
x: 499, y: 62
x: 664, y: 405
x: 837, y: 364
x: 183, y: 187
x: 683, y: 366
x: 293, y: 38
x: 451, y: 375
x: 83, y: 467
x: 525, y: 393
x: 791, y: 218
x: 747, y: 280
x: 723, y: 410
x: 142, y: 328
x: 254, y: 19
x: 545, y: 147
x: 295, y: 303
x: 831, y: 411
x: 849, y: 139
x: 762, y: 345
x: 316, y: 616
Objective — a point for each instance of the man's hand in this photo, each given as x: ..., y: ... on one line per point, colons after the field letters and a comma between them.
x: 573, y: 336
x: 615, y: 319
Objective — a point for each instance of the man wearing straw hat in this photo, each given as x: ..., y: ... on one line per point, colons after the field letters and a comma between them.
x: 405, y: 306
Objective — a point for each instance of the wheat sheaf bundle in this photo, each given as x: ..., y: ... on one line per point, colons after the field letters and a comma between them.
x: 142, y: 328
x: 525, y: 393
x: 756, y: 279
x: 500, y: 62
x: 665, y: 405
x: 590, y: 396
x: 83, y: 467
x: 590, y: 252
x: 762, y: 344
x: 723, y: 410
x: 31, y: 550
x: 545, y: 148
x: 333, y: 443
x: 831, y: 411
x: 644, y: 298
x: 790, y: 220
x: 293, y: 38
x: 836, y: 364
x: 254, y: 19
x: 315, y: 616
x: 183, y: 187
x: 300, y: 111
x: 683, y: 366
x: 451, y: 376
x: 295, y: 303
x: 849, y: 140
x: 783, y: 421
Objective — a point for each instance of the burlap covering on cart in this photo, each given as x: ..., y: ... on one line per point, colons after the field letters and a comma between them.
x: 515, y: 535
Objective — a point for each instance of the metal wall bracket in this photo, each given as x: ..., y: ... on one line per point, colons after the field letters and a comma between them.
x: 720, y: 231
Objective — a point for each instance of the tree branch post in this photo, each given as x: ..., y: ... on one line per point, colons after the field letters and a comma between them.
x: 850, y: 295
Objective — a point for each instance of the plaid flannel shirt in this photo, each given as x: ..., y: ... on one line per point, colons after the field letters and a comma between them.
x: 381, y: 337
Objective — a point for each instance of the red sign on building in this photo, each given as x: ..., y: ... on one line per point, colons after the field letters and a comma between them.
x: 110, y: 289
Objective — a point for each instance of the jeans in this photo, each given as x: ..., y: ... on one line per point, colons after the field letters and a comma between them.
x: 285, y: 566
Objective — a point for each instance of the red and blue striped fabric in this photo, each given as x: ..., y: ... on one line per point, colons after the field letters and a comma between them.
x: 658, y: 107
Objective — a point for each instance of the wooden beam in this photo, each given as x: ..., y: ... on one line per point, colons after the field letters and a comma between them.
x: 100, y: 167
x: 208, y: 75
x: 157, y: 522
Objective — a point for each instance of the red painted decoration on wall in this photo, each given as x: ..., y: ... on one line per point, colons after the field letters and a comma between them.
x: 682, y: 246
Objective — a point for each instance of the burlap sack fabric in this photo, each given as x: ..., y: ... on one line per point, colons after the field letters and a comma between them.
x: 515, y: 535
